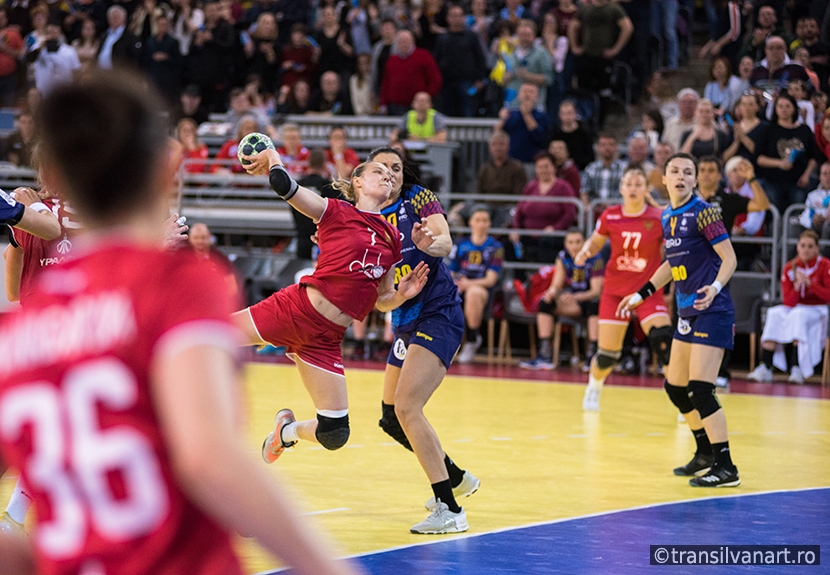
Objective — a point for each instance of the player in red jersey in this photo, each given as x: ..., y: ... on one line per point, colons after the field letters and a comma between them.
x: 355, y: 271
x: 127, y: 429
x: 636, y: 233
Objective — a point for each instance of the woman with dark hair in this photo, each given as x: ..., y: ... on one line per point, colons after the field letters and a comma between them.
x: 787, y: 155
x: 747, y: 128
x: 262, y: 50
x: 721, y: 86
x: 299, y: 59
x: 294, y: 99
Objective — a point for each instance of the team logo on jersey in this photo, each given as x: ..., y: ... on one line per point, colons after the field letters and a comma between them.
x: 64, y: 246
x: 648, y: 224
x: 399, y: 349
x: 683, y: 326
x: 626, y: 263
x: 9, y: 200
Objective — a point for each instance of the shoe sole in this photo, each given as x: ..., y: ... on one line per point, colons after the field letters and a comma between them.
x: 729, y: 484
x: 456, y: 529
x: 695, y: 474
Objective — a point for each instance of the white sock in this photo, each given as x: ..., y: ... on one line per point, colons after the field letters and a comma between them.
x: 594, y: 382
x: 19, y: 504
x: 289, y: 433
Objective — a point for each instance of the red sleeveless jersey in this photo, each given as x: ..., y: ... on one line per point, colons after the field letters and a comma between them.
x: 636, y: 248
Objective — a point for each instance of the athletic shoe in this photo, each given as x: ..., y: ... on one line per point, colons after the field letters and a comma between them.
x: 796, y: 376
x: 537, y: 364
x: 717, y: 476
x: 442, y: 520
x: 761, y: 373
x: 469, y: 485
x: 273, y: 446
x: 722, y: 383
x: 700, y: 462
x: 9, y: 525
x: 468, y: 351
x: 590, y: 402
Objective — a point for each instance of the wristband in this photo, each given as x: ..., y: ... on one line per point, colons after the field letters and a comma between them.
x: 282, y: 183
x: 39, y: 206
x: 717, y: 285
x: 635, y: 300
x: 647, y: 290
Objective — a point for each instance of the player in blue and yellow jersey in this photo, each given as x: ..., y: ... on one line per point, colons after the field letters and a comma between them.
x: 700, y: 260
x: 428, y: 331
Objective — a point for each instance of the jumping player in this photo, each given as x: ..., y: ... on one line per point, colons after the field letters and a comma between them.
x: 356, y: 270
x: 126, y: 430
x: 428, y: 331
x: 700, y: 260
x: 636, y: 251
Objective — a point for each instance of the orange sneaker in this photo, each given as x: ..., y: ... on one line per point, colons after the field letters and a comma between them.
x: 273, y: 446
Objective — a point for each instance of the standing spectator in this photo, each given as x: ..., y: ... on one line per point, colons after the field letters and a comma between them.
x: 461, y: 62
x: 362, y: 19
x: 422, y: 123
x: 747, y: 128
x: 601, y: 178
x: 55, y: 63
x: 512, y: 12
x: 755, y: 40
x: 289, y: 13
x: 11, y: 49
x: 704, y: 139
x: 802, y: 319
x: 557, y: 46
x: 727, y: 41
x: 299, y: 59
x: 210, y: 57
x: 664, y: 25
x: 408, y: 71
x: 502, y: 175
x: 294, y: 155
x: 163, y: 59
x: 721, y: 87
x: 190, y: 105
x: 87, y: 45
x: 192, y: 148
x: 340, y: 158
x: 574, y: 133
x: 330, y: 98
x: 39, y: 16
x: 317, y: 180
x: 21, y: 143
x: 186, y: 20
x: 807, y: 30
x: 380, y: 53
x: 526, y: 126
x: 144, y: 22
x: 400, y: 12
x: 565, y: 167
x: 262, y: 51
x: 82, y: 10
x: 361, y: 94
x: 119, y: 47
x: 336, y: 51
x: 479, y: 22
x: 432, y: 22
x: 676, y: 126
x: 776, y: 70
x: 528, y: 64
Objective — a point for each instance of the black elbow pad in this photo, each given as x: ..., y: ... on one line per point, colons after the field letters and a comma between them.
x: 282, y: 183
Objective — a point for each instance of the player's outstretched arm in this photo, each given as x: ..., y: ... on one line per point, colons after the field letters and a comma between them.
x: 37, y: 219
x: 409, y: 286
x: 301, y: 199
x: 659, y: 278
x: 194, y: 390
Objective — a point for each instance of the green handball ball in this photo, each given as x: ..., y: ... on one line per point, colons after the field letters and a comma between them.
x: 253, y: 144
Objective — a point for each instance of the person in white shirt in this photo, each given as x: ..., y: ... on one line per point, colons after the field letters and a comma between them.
x: 55, y: 63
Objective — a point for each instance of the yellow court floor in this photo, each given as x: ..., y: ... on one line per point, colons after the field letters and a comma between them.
x: 539, y: 457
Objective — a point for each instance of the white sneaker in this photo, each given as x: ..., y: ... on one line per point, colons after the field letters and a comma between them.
x: 469, y: 485
x: 442, y: 520
x: 761, y: 374
x: 722, y: 383
x: 796, y: 375
x: 468, y: 351
x: 590, y: 402
x: 9, y: 525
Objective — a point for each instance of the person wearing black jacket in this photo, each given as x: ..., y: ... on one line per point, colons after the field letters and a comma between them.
x: 119, y: 47
x: 211, y: 58
x: 462, y: 64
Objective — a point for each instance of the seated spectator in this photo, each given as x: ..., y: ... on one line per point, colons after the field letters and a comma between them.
x: 651, y: 126
x: 330, y: 99
x: 292, y: 152
x: 574, y: 292
x: 721, y: 86
x: 601, y: 178
x: 360, y: 87
x: 677, y: 125
x: 661, y: 155
x: 823, y: 135
x: 816, y: 214
x: 476, y: 265
x: 806, y: 113
x: 565, y: 167
x: 246, y: 125
x: 316, y: 180
x: 341, y: 160
x: 747, y: 128
x: 802, y: 56
x: 190, y: 106
x: 741, y: 180
x: 776, y: 70
x: 422, y: 123
x: 745, y: 67
x: 527, y: 126
x: 408, y: 70
x: 20, y: 144
x: 192, y: 148
x: 299, y: 59
x: 766, y: 26
x: 801, y: 320
x: 730, y: 201
x: 240, y: 107
x: 575, y: 135
x: 201, y: 242
x: 704, y: 138
x: 529, y: 63
x: 87, y: 45
x: 637, y: 153
x: 294, y: 99
x: 545, y: 216
x: 261, y: 101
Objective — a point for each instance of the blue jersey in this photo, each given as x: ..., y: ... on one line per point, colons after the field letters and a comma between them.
x: 11, y: 211
x: 472, y: 261
x: 415, y: 203
x: 689, y: 233
x: 578, y: 278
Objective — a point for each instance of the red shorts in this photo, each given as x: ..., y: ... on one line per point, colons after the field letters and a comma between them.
x: 652, y: 306
x: 288, y: 318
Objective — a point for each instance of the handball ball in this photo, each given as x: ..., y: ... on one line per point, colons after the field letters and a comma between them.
x: 253, y: 144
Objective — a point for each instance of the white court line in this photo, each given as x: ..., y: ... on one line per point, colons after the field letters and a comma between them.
x: 818, y: 432
x: 322, y: 511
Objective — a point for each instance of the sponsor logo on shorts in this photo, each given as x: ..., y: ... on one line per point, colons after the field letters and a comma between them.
x: 423, y: 335
x: 700, y: 334
x: 399, y: 349
x: 683, y: 326
x: 338, y: 365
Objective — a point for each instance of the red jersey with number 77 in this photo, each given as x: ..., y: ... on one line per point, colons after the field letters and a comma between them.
x: 78, y: 416
x: 636, y: 248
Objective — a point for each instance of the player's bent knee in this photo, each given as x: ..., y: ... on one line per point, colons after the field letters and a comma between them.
x: 606, y: 359
x: 679, y: 396
x: 660, y: 339
x: 333, y: 432
x: 390, y: 424
x: 702, y: 395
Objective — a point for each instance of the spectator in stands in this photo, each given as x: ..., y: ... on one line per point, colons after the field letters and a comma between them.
x: 87, y: 45
x: 475, y: 263
x: 565, y: 167
x: 802, y: 56
x: 529, y: 63
x: 381, y: 51
x: 664, y: 26
x: 83, y: 10
x: 802, y: 319
x: 512, y: 12
x: 210, y: 59
x: 144, y: 21
x: 21, y: 143
x: 546, y: 216
x: 292, y: 152
x: 557, y: 46
x: 527, y: 126
x: 409, y: 70
x: 190, y: 105
x: 651, y: 126
x: 119, y: 46
x: 732, y: 200
x: 162, y: 60
x: 704, y: 138
x: 240, y: 107
x: 299, y: 59
x: 808, y: 37
x: 316, y: 180
x: 362, y: 19
x: 574, y: 133
x: 601, y: 178
x: 806, y: 114
x: 294, y: 99
x: 400, y: 12
x: 262, y: 50
x: 432, y: 22
x: 422, y: 123
x: 289, y: 13
x: 39, y: 16
x: 662, y: 152
x: 187, y: 18
x: 773, y: 72
x: 336, y: 50
x: 687, y: 100
x: 341, y: 159
x: 721, y: 86
x: 201, y: 242
x: 766, y: 25
x: 787, y: 155
x: 479, y: 22
x: 330, y: 99
x: 246, y: 125
x: 574, y: 293
x: 11, y: 49
x: 462, y: 64
x: 637, y: 153
x: 745, y: 68
x: 362, y: 97
x: 747, y: 128
x: 55, y: 63
x: 816, y: 214
x: 192, y: 148
x: 726, y: 36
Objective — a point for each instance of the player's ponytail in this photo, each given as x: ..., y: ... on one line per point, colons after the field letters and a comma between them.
x: 346, y: 187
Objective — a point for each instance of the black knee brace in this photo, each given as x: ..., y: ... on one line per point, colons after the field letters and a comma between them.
x: 660, y: 340
x: 332, y: 432
x: 679, y: 396
x: 390, y: 424
x: 606, y: 359
x: 702, y: 395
